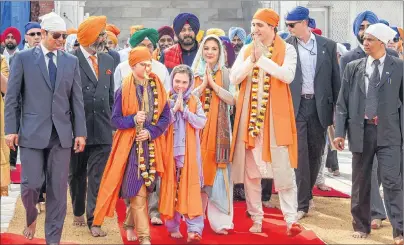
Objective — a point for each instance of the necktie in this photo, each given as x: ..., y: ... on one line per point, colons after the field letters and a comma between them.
x: 95, y: 65
x: 52, y: 69
x: 372, y: 99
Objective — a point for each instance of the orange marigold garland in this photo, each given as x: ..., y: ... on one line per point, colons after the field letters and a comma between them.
x: 257, y: 118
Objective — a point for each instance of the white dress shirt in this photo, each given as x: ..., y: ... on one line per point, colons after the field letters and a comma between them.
x: 370, y: 68
x: 90, y: 62
x: 45, y: 51
x: 308, y: 63
x: 8, y: 55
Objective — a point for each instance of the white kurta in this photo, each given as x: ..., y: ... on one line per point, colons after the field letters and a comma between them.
x: 248, y: 166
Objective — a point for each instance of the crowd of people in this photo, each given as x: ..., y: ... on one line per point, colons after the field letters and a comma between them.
x: 180, y: 122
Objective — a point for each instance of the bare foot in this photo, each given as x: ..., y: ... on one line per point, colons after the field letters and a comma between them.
x: 29, y: 231
x: 97, y: 232
x: 131, y: 235
x: 222, y: 232
x: 336, y: 173
x: 177, y: 235
x: 294, y: 229
x: 398, y: 240
x: 376, y: 224
x: 38, y: 208
x: 144, y: 240
x: 156, y: 221
x: 323, y: 187
x: 193, y: 237
x: 267, y: 204
x: 358, y: 234
x: 301, y: 215
x: 79, y: 221
x: 256, y: 228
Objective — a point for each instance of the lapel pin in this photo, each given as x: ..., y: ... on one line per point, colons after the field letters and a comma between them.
x: 323, y: 52
x: 387, y: 72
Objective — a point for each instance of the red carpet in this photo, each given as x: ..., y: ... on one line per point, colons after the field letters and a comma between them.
x: 274, y: 230
x: 320, y: 193
x: 8, y: 238
x: 16, y: 175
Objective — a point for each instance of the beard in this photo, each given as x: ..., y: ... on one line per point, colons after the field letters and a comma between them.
x: 98, y: 46
x: 186, y: 40
x: 11, y: 46
x: 238, y: 47
x: 360, y: 38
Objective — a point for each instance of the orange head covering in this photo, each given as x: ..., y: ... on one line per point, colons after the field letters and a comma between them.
x: 113, y: 28
x: 401, y: 32
x: 90, y: 29
x: 139, y: 54
x: 112, y: 37
x: 267, y: 15
x: 134, y: 29
x: 71, y: 31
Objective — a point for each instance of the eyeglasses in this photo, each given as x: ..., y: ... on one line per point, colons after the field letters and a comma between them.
x: 292, y: 25
x: 57, y: 35
x: 32, y: 34
x: 102, y: 34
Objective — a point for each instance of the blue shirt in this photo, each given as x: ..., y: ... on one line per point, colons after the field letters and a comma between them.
x: 308, y: 62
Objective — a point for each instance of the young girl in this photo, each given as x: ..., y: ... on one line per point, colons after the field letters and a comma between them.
x: 212, y: 81
x: 141, y: 115
x: 182, y: 179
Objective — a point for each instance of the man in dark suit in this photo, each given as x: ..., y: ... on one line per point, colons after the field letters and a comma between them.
x: 97, y: 69
x: 314, y: 90
x: 368, y: 109
x: 48, y: 82
x: 361, y: 23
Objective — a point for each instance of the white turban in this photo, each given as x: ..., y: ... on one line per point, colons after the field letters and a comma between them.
x: 381, y: 32
x: 52, y: 22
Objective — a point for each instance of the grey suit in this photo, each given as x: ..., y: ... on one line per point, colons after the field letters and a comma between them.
x: 98, y: 97
x: 378, y: 210
x: 367, y: 140
x: 48, y: 122
x: 314, y: 115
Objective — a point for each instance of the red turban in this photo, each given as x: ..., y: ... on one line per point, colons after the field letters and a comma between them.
x: 166, y: 30
x: 113, y: 28
x: 14, y: 31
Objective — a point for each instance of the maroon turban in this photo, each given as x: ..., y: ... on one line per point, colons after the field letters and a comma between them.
x: 15, y: 32
x: 166, y: 30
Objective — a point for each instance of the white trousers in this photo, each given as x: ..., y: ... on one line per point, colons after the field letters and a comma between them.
x: 217, y: 219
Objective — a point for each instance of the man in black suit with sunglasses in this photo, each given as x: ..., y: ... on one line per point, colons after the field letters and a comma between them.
x: 314, y: 91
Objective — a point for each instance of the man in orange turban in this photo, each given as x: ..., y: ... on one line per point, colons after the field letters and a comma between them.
x: 264, y: 135
x: 114, y: 29
x: 112, y: 40
x: 86, y: 168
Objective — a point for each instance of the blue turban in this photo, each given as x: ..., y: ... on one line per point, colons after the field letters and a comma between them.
x: 384, y: 22
x: 183, y: 18
x: 396, y: 30
x: 31, y: 25
x: 224, y: 38
x: 300, y: 13
x: 237, y: 31
x: 283, y: 34
x: 248, y: 39
x: 367, y: 15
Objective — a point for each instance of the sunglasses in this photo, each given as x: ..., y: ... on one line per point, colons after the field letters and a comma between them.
x: 396, y: 39
x: 57, y: 35
x: 32, y: 34
x: 292, y: 25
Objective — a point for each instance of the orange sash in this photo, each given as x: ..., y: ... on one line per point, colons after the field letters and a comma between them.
x: 122, y: 144
x: 282, y: 112
x: 189, y: 195
x: 208, y: 134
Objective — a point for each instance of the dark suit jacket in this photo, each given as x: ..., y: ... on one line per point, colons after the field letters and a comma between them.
x: 357, y: 54
x: 116, y: 57
x: 352, y: 100
x: 41, y: 108
x: 98, y: 97
x: 326, y: 81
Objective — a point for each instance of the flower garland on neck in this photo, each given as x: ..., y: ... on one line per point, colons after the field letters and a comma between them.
x: 255, y: 123
x: 208, y: 97
x: 149, y: 176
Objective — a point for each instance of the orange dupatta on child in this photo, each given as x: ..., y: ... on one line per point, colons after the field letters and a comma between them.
x: 282, y: 111
x: 189, y: 195
x: 121, y: 146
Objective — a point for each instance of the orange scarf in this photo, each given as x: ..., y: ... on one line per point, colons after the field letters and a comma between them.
x: 282, y: 112
x: 189, y: 195
x: 122, y: 144
x: 209, y: 133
